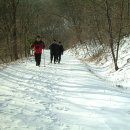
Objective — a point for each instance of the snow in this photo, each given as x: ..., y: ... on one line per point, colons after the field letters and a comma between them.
x: 103, y: 67
x: 66, y: 96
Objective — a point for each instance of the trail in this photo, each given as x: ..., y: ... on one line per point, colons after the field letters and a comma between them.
x: 64, y: 96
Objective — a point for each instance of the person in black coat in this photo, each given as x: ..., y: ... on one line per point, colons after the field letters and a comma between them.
x: 60, y: 51
x: 54, y: 47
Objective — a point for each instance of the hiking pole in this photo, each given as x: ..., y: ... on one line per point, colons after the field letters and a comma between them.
x: 44, y: 57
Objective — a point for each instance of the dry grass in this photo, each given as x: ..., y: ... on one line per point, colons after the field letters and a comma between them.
x: 96, y: 57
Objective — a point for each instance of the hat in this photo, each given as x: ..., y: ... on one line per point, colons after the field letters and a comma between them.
x: 38, y: 36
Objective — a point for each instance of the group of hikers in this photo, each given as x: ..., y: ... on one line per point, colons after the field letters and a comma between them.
x: 56, y: 50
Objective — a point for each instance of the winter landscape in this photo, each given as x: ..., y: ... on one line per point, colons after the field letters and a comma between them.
x: 64, y: 64
x: 66, y: 96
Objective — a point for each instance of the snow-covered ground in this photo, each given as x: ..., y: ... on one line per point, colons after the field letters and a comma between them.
x: 66, y: 96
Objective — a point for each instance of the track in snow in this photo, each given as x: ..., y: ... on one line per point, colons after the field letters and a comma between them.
x: 64, y: 96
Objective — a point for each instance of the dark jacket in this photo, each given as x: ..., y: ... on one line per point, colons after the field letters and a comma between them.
x: 61, y: 49
x: 38, y: 46
x: 54, y: 47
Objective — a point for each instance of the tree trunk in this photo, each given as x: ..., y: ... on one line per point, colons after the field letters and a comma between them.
x: 14, y: 30
x: 120, y: 29
x: 111, y: 42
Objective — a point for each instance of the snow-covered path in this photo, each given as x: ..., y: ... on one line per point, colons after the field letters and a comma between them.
x: 64, y: 96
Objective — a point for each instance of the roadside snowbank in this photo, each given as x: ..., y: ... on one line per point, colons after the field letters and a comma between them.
x: 105, y: 68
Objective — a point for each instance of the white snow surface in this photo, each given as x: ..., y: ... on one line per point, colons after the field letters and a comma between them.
x: 66, y: 96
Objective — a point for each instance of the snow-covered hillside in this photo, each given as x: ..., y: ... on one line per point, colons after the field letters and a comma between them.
x: 105, y: 68
x: 64, y: 96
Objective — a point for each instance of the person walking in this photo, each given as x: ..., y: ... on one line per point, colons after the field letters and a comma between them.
x: 54, y: 51
x: 60, y: 52
x: 38, y: 45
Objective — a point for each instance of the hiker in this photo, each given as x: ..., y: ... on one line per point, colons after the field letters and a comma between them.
x: 38, y: 45
x: 54, y: 51
x: 60, y: 51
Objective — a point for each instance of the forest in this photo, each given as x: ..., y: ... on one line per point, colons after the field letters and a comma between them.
x: 89, y: 22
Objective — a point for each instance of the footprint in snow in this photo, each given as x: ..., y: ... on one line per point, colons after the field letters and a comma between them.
x: 129, y: 112
x: 2, y: 105
x: 41, y: 128
x: 62, y: 108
